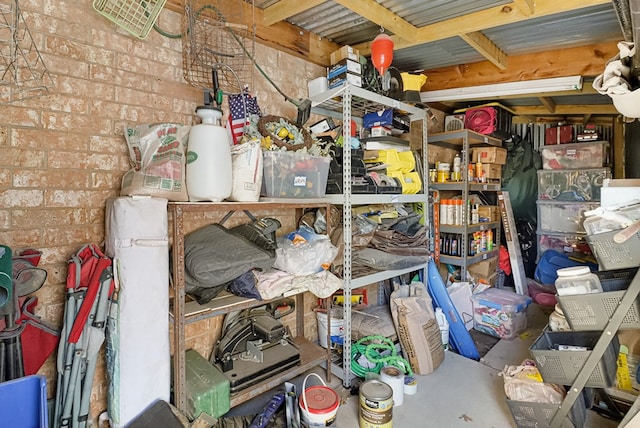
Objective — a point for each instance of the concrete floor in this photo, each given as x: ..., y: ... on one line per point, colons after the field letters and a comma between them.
x: 459, y: 393
x: 466, y: 393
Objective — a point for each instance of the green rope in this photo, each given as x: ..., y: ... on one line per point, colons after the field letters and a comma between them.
x: 371, y: 351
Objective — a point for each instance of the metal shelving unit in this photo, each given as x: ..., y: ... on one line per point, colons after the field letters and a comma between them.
x: 183, y: 313
x: 463, y: 141
x: 346, y: 103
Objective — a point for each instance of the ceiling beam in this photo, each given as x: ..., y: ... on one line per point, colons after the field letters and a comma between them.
x: 282, y: 36
x: 527, y: 7
x: 548, y: 103
x: 567, y: 110
x: 486, y: 48
x: 382, y: 16
x: 586, y: 61
x: 482, y: 20
x: 287, y: 8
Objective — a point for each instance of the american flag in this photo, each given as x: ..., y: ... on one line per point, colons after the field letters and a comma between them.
x: 237, y: 117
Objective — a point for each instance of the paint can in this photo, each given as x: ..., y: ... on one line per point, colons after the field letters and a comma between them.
x: 376, y: 405
x: 444, y: 169
x: 318, y: 404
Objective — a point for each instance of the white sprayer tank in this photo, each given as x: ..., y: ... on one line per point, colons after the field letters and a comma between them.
x: 208, y: 158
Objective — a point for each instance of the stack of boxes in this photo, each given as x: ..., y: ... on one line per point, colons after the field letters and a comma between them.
x: 568, y: 185
x: 489, y: 161
x: 345, y: 67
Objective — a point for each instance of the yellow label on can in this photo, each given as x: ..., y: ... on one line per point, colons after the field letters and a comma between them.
x: 374, y: 413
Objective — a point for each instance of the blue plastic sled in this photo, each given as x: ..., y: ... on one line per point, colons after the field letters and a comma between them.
x: 459, y: 336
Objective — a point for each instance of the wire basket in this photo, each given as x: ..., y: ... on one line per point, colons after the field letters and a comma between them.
x: 135, y: 16
x: 23, y: 73
x: 218, y: 37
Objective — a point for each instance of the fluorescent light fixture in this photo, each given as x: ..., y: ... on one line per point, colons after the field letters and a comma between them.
x: 525, y: 87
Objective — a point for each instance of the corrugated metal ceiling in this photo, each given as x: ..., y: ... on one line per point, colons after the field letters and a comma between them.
x: 342, y: 26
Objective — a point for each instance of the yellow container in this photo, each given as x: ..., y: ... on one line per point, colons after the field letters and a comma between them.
x: 413, y: 82
x: 407, y: 161
x: 411, y: 183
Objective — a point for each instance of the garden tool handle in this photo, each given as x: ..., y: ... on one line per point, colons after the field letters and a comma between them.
x: 626, y: 233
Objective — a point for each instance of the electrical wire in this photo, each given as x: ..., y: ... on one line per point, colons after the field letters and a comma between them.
x: 166, y: 33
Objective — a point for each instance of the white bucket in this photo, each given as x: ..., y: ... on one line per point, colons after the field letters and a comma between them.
x: 336, y: 331
x: 318, y: 404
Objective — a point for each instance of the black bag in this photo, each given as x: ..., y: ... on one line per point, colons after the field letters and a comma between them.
x: 520, y: 176
x: 213, y: 257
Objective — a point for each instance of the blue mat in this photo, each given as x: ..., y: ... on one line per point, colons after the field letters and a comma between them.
x: 459, y: 337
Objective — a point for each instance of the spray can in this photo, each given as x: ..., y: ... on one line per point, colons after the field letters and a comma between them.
x: 456, y: 168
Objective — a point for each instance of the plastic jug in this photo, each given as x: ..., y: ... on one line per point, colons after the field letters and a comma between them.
x: 444, y: 327
x: 209, y: 176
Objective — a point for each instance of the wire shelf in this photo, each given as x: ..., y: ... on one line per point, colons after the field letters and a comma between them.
x: 218, y: 37
x: 23, y: 73
x: 135, y: 16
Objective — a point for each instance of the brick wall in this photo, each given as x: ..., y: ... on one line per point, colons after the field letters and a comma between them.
x: 63, y: 154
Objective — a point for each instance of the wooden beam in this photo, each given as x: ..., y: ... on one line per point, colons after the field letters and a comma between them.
x: 527, y: 7
x: 482, y: 20
x: 486, y: 48
x: 548, y: 103
x: 287, y: 8
x: 566, y: 110
x: 281, y: 36
x: 619, y: 170
x: 586, y: 61
x: 382, y: 16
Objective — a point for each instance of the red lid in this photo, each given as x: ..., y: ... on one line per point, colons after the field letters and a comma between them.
x: 320, y: 399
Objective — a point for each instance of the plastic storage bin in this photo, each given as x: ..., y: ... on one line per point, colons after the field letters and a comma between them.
x: 289, y: 175
x: 571, y: 184
x: 562, y: 366
x: 500, y: 313
x: 24, y: 402
x: 208, y: 390
x: 575, y: 156
x: 577, y: 280
x: 563, y: 217
x: 573, y: 245
x: 537, y: 415
x: 593, y: 311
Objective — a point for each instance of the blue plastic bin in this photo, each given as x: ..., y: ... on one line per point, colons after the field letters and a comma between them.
x: 23, y: 402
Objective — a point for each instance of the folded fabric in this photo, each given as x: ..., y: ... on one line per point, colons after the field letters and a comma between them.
x: 275, y: 283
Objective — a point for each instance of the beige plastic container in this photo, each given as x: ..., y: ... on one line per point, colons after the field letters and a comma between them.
x: 577, y: 280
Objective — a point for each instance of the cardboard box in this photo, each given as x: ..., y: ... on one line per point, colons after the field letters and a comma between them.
x: 344, y: 66
x: 492, y: 171
x: 558, y: 135
x: 493, y: 155
x: 619, y: 191
x: 490, y: 212
x: 485, y: 268
x: 344, y: 52
x: 341, y: 79
x: 440, y: 154
x: 380, y: 131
